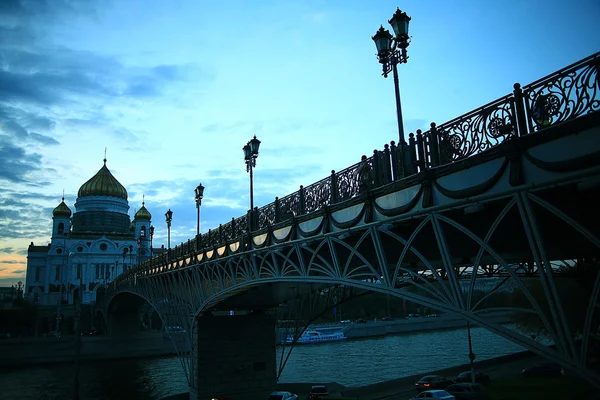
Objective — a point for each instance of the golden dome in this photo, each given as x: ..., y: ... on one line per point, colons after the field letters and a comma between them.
x: 143, y: 214
x: 62, y: 210
x: 103, y: 184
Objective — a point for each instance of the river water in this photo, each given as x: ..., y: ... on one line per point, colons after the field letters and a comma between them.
x: 350, y: 363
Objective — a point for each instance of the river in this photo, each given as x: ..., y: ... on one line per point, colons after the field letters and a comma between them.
x: 350, y: 363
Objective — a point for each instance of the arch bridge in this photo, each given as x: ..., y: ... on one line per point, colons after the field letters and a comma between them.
x: 499, y: 195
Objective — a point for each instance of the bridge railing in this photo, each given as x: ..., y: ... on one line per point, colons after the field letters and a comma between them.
x: 569, y: 93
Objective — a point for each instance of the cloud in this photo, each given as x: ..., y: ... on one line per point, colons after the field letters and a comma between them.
x: 13, y: 262
x: 19, y: 271
x: 52, y: 94
x: 16, y: 165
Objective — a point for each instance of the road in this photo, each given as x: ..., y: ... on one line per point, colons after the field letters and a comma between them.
x: 404, y: 388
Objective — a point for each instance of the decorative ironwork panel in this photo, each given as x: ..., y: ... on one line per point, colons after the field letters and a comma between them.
x: 384, y: 170
x: 348, y: 180
x: 317, y: 195
x: 564, y: 95
x: 266, y: 215
x: 228, y: 231
x: 289, y: 206
x: 477, y: 131
x: 241, y: 226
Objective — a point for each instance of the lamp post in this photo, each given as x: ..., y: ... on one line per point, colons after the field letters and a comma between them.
x: 139, y: 245
x: 151, y: 236
x: 391, y: 51
x: 169, y: 218
x: 20, y: 290
x: 130, y: 255
x: 199, y: 191
x: 250, y: 155
x: 77, y: 333
x: 471, y: 354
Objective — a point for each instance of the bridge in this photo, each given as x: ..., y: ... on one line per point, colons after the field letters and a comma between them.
x: 504, y: 191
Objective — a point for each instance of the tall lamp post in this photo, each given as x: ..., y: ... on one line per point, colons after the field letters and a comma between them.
x: 130, y: 255
x: 250, y: 155
x: 77, y: 331
x: 151, y: 236
x: 169, y: 218
x: 391, y: 51
x: 471, y: 354
x: 199, y: 191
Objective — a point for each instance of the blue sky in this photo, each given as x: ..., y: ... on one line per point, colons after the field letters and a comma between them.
x: 175, y: 88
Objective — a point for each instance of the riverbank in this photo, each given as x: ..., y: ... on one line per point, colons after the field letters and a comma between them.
x: 37, y: 350
x: 502, y: 367
x: 504, y: 371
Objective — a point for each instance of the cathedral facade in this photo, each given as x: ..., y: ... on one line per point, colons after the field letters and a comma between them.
x: 90, y: 247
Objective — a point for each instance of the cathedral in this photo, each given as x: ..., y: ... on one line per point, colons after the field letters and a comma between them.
x: 90, y: 247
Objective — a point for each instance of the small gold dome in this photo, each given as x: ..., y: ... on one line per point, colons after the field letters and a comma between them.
x: 143, y: 214
x: 103, y: 184
x: 62, y: 210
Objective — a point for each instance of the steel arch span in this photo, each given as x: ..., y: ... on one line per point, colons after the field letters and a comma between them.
x: 434, y: 259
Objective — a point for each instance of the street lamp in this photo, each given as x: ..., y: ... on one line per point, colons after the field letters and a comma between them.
x: 199, y: 191
x: 139, y: 244
x: 169, y: 218
x: 77, y: 331
x: 250, y: 155
x: 151, y: 236
x: 130, y: 255
x: 471, y: 354
x: 391, y: 51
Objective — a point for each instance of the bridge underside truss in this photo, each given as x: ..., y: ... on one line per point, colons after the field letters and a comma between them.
x: 449, y: 260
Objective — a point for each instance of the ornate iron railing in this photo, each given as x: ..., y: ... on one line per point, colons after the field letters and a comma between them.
x: 569, y: 93
x: 564, y: 95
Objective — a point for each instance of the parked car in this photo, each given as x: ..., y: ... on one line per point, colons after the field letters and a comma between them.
x: 361, y: 321
x: 282, y: 396
x: 434, y: 394
x: 430, y: 382
x: 543, y: 369
x: 317, y: 392
x: 467, y: 377
x: 467, y: 391
x: 174, y: 329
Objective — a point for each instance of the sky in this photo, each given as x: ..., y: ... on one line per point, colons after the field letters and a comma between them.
x: 174, y: 89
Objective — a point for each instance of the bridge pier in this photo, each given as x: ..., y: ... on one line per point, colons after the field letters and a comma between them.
x: 233, y: 356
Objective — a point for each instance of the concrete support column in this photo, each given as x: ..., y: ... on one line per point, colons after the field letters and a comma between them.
x: 235, y: 357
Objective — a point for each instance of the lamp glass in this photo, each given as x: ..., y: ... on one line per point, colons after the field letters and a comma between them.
x: 399, y: 23
x: 247, y: 152
x: 254, y: 145
x: 383, y: 40
x: 199, y: 191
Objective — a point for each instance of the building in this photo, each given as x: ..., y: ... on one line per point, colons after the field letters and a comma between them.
x: 90, y: 247
x: 8, y: 294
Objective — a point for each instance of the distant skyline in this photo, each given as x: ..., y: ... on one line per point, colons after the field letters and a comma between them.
x: 174, y: 89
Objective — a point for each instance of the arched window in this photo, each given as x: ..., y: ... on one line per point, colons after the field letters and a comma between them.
x: 61, y: 228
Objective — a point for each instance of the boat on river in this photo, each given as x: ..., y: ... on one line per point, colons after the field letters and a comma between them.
x: 315, y: 336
